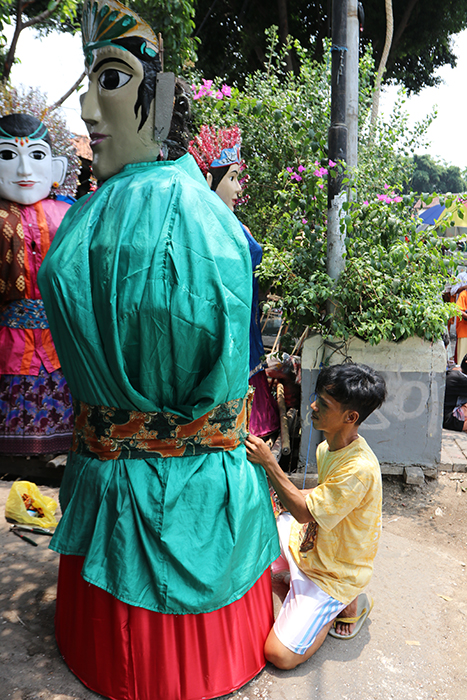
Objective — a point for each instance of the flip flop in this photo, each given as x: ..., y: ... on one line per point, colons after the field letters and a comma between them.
x: 364, y: 607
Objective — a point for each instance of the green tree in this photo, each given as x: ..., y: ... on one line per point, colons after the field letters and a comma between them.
x: 452, y: 180
x: 45, y: 16
x: 422, y: 40
x: 172, y: 18
x: 233, y: 44
x: 430, y: 175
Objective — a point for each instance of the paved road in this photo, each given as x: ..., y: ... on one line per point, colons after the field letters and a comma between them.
x: 413, y: 648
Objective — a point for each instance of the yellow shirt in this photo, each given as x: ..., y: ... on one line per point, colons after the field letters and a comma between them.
x: 347, y: 507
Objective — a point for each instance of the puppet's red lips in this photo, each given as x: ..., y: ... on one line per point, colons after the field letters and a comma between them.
x: 97, y: 138
x: 25, y: 183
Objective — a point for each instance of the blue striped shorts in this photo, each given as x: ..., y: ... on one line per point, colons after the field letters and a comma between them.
x: 306, y: 609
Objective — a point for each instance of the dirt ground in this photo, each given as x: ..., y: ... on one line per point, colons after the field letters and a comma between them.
x: 412, y: 648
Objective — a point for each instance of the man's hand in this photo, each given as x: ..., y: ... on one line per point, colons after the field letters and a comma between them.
x: 257, y: 451
x: 293, y: 499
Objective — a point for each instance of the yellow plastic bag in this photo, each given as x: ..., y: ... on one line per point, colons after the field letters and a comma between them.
x: 25, y: 504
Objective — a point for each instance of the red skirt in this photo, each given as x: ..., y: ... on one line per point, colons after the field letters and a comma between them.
x: 129, y: 653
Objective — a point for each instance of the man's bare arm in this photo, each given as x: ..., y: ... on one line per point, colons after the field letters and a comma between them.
x: 292, y: 498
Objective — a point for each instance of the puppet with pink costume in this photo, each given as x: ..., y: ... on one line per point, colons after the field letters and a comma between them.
x: 218, y: 156
x: 36, y: 414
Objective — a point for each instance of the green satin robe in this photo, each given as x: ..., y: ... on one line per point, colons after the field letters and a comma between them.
x: 147, y: 288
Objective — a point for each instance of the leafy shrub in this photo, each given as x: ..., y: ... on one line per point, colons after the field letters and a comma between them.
x: 394, y: 275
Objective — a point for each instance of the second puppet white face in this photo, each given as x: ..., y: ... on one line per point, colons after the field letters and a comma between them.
x: 27, y: 170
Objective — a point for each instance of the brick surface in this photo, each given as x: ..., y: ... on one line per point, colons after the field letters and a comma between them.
x: 453, y: 451
x: 414, y: 476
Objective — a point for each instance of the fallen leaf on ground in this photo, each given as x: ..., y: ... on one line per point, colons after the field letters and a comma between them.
x: 444, y: 597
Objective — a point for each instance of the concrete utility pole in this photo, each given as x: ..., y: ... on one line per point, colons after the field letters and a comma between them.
x: 337, y: 139
x: 351, y: 82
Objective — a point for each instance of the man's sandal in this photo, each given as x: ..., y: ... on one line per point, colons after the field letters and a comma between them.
x: 364, y: 607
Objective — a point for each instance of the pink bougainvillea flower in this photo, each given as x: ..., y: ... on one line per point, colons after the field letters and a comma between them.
x: 296, y: 177
x: 219, y: 95
x: 289, y: 170
x: 332, y: 164
x: 386, y: 187
x: 304, y: 221
x: 397, y: 199
x: 226, y: 90
x: 320, y: 172
x: 366, y: 203
x: 320, y: 185
x: 301, y: 168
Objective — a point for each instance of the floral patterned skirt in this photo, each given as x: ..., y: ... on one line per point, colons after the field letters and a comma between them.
x: 36, y: 414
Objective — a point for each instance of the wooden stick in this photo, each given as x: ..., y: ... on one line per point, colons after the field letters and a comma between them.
x: 267, y: 319
x: 300, y: 342
x: 277, y: 340
x: 285, y: 436
x: 276, y: 449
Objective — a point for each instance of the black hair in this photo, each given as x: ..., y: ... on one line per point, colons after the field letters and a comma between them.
x: 218, y: 175
x: 464, y: 364
x: 179, y: 136
x: 19, y: 124
x: 151, y: 67
x: 357, y: 387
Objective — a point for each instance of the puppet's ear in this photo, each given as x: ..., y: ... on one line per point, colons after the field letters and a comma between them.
x: 59, y: 166
x: 165, y: 87
x: 209, y: 179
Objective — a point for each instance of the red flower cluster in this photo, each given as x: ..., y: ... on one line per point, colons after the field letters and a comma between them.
x: 209, y: 143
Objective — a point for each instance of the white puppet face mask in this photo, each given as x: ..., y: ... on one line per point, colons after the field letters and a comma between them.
x: 28, y: 170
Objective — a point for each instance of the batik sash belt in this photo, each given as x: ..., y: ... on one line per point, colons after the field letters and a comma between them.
x: 24, y: 313
x: 115, y: 433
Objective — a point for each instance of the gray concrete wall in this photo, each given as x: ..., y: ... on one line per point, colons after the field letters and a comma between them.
x: 407, y: 429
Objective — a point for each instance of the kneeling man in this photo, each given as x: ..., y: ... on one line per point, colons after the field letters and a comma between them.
x: 329, y: 536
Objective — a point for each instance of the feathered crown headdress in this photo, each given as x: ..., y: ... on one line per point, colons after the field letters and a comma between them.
x: 214, y: 149
x: 106, y: 20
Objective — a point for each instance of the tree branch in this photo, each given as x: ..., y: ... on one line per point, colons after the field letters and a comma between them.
x: 402, y: 26
x: 20, y: 25
x: 12, y: 50
x: 43, y: 16
x: 284, y: 30
x: 382, y: 66
x: 74, y: 87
